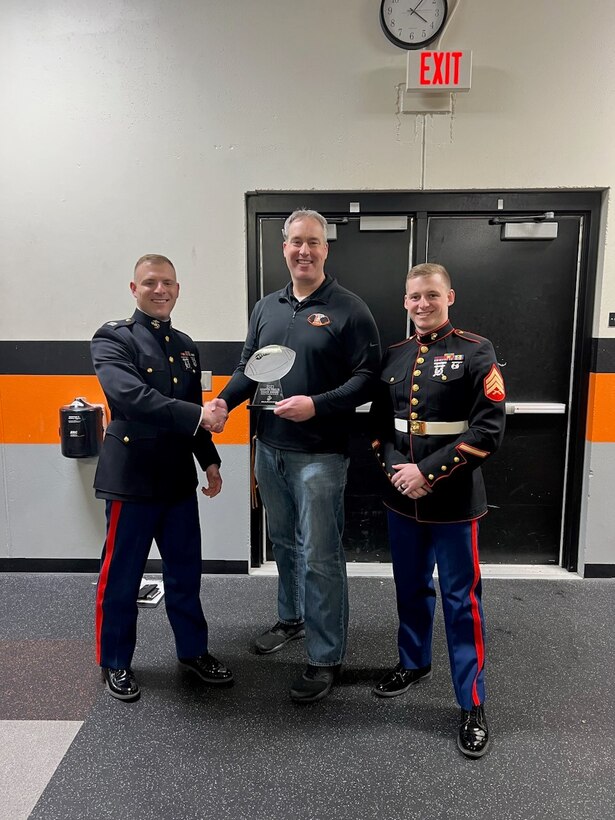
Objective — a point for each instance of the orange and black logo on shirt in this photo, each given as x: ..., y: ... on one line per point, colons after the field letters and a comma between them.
x: 319, y: 320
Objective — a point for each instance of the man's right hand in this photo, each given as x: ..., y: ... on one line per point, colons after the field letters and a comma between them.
x: 214, y: 415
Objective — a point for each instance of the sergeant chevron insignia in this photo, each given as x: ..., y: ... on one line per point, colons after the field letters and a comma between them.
x: 494, y: 385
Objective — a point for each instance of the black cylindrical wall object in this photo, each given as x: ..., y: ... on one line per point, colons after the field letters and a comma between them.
x: 81, y: 429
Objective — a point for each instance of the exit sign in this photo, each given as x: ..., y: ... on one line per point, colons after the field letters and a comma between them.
x: 439, y: 71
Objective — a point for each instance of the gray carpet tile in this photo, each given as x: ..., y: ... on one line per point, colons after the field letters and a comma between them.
x: 189, y: 751
x: 30, y: 751
x: 34, y: 679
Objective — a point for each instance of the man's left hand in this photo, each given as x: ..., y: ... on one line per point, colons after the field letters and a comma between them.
x: 296, y: 408
x: 214, y: 481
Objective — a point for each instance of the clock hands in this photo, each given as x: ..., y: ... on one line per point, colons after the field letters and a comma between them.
x: 414, y: 11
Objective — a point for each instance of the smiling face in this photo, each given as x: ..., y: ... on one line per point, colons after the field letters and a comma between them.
x: 427, y: 301
x: 155, y: 287
x: 305, y: 251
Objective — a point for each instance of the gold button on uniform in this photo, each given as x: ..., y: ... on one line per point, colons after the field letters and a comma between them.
x: 171, y: 359
x: 174, y: 379
x: 415, y: 388
x: 431, y: 476
x: 150, y: 370
x: 126, y: 439
x: 414, y: 415
x: 444, y: 468
x: 167, y: 338
x: 414, y: 402
x: 417, y: 373
x: 392, y: 379
x: 424, y: 349
x: 456, y: 459
x: 420, y: 360
x: 444, y: 378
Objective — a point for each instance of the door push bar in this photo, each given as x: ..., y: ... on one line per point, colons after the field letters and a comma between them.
x: 512, y: 408
x: 531, y: 407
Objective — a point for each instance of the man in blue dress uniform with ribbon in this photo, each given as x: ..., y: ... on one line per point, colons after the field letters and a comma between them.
x: 438, y: 415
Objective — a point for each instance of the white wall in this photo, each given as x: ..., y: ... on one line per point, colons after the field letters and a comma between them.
x: 136, y: 126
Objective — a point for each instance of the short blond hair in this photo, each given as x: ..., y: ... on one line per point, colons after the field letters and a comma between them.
x: 429, y: 269
x: 154, y: 259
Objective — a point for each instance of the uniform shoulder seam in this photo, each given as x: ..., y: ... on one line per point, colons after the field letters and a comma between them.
x: 400, y: 344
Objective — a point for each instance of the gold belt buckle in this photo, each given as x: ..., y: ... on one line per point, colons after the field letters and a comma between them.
x: 417, y: 428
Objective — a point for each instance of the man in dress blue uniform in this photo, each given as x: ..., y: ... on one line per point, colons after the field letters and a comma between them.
x: 439, y: 414
x: 150, y: 374
x: 302, y: 446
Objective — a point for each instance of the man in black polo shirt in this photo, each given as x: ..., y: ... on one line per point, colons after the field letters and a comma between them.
x: 302, y: 445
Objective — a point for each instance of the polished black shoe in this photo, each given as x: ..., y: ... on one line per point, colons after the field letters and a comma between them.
x: 121, y: 683
x: 208, y: 669
x: 399, y: 680
x: 315, y: 683
x: 278, y: 636
x: 473, y: 737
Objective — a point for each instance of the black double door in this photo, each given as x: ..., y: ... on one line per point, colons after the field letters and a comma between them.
x: 523, y: 295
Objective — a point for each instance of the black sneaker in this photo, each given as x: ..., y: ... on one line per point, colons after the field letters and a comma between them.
x: 121, y: 683
x: 315, y: 683
x: 473, y: 737
x: 276, y: 637
x: 208, y: 669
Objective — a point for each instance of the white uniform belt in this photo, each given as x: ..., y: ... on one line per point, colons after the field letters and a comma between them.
x: 431, y: 428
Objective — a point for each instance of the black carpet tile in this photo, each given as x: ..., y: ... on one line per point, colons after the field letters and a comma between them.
x: 186, y: 751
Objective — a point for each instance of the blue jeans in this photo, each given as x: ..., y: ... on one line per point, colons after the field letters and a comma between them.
x: 303, y: 494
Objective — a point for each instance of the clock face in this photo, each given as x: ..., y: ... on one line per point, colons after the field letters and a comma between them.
x: 412, y: 23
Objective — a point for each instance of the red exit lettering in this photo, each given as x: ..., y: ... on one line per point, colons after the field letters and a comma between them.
x: 440, y: 67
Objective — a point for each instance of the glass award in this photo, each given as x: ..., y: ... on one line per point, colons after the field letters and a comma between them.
x: 267, y: 367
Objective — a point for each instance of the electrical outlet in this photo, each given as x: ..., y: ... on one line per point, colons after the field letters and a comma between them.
x: 611, y: 319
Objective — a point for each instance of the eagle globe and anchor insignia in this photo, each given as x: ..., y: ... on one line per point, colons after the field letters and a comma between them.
x: 267, y: 366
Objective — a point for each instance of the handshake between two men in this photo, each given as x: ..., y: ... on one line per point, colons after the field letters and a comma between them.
x: 295, y: 408
x: 214, y: 415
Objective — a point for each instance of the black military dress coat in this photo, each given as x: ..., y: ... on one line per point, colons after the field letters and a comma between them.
x: 448, y: 375
x: 151, y: 376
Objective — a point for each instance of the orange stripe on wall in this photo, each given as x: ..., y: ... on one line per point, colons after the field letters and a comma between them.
x: 30, y: 407
x: 601, y: 407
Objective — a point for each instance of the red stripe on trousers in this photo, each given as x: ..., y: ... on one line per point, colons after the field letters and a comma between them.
x: 479, y: 643
x: 116, y: 508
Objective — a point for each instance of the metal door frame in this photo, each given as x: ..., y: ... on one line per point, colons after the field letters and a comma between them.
x: 420, y: 205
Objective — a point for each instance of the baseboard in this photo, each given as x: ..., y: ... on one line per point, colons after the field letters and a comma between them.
x: 599, y: 571
x: 93, y: 565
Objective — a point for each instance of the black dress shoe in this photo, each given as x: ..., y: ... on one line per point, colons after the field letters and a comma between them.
x: 121, y: 683
x: 399, y: 680
x: 315, y: 683
x: 208, y: 669
x: 473, y: 737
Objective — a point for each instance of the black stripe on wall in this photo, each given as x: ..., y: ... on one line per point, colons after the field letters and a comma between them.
x: 599, y: 571
x: 73, y: 358
x: 603, y: 356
